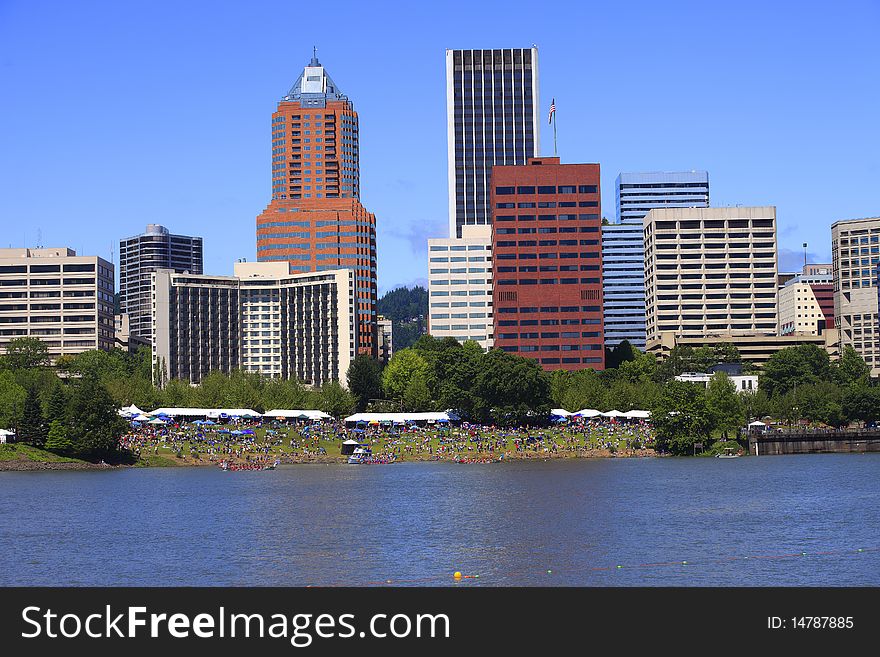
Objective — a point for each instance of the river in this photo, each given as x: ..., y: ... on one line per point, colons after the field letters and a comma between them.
x: 735, y: 522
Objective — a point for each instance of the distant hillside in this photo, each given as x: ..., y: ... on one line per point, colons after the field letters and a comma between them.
x: 407, y: 308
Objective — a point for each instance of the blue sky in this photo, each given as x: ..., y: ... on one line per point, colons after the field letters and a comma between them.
x: 119, y: 114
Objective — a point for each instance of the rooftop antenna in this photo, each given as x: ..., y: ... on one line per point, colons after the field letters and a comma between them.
x: 314, y: 61
x: 805, y: 257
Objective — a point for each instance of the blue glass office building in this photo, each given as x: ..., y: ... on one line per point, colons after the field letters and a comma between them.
x: 623, y: 244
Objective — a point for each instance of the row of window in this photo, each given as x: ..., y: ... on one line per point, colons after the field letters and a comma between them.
x: 547, y: 189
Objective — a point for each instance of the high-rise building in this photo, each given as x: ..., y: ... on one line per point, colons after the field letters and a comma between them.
x: 491, y: 119
x: 315, y: 220
x: 143, y: 254
x: 623, y: 283
x: 262, y: 320
x: 855, y: 252
x: 547, y: 263
x: 806, y: 302
x: 460, y: 286
x: 639, y: 193
x: 623, y: 244
x: 386, y: 338
x: 63, y: 299
x: 710, y: 271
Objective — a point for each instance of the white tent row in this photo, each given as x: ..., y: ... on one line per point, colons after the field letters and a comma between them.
x: 398, y: 417
x: 630, y: 415
x: 205, y: 412
x: 300, y: 414
x: 560, y: 412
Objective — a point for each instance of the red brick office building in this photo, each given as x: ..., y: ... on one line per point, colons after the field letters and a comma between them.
x: 547, y: 263
x: 315, y: 220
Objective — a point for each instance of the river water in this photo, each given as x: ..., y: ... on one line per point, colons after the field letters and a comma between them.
x: 551, y: 523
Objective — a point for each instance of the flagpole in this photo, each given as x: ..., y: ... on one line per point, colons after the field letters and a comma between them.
x: 555, y: 153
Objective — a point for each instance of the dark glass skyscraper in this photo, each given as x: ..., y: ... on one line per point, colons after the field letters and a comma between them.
x: 492, y: 118
x: 140, y: 256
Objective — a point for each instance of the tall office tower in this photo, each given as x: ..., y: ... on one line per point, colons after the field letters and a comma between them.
x: 547, y: 263
x: 491, y: 119
x: 623, y: 244
x: 855, y: 252
x: 143, y: 254
x: 709, y: 271
x: 806, y: 302
x: 315, y: 220
x: 623, y: 278
x: 639, y: 193
x: 460, y: 286
x: 63, y: 299
x: 262, y: 320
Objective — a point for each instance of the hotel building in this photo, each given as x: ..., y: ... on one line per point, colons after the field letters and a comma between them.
x: 491, y: 119
x: 315, y: 221
x: 855, y: 251
x: 262, y: 320
x: 63, y: 299
x: 460, y: 286
x: 547, y: 263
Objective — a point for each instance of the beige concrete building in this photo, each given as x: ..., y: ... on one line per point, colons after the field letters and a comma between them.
x: 263, y: 320
x: 61, y: 298
x: 385, y: 338
x: 460, y: 286
x: 753, y: 348
x: 855, y: 251
x: 710, y: 271
x: 806, y: 303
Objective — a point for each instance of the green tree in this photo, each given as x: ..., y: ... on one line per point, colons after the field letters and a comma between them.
x: 336, y: 400
x: 851, y: 368
x: 681, y: 417
x: 56, y: 407
x: 860, y: 404
x: 59, y: 441
x: 32, y: 427
x: 622, y: 353
x: 26, y: 353
x: 288, y: 394
x: 365, y: 379
x: 403, y: 367
x: 417, y: 397
x: 94, y: 425
x: 510, y: 389
x: 12, y: 397
x: 794, y: 366
x: 725, y: 405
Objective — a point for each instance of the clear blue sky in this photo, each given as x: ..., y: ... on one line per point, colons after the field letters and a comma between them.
x: 118, y: 114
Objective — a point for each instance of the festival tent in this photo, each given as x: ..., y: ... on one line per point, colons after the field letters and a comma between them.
x: 142, y: 418
x: 559, y: 412
x: 205, y: 412
x: 282, y: 414
x: 156, y: 420
x: 612, y: 413
x: 6, y: 436
x: 637, y: 415
x: 388, y: 418
x: 129, y: 411
x: 587, y: 412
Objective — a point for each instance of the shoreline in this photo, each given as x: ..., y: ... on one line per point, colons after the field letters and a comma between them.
x: 23, y: 465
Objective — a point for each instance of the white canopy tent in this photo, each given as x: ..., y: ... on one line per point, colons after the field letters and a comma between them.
x: 637, y: 415
x: 130, y: 411
x: 561, y: 412
x: 6, y: 436
x: 398, y: 418
x: 296, y: 414
x: 587, y: 412
x: 612, y: 413
x: 757, y: 423
x: 205, y: 412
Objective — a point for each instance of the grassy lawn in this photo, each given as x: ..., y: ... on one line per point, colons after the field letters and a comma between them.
x: 20, y: 452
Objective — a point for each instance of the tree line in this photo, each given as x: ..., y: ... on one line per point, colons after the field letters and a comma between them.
x: 71, y: 407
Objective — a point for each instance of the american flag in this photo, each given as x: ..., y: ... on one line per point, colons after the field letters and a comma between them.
x: 552, y: 110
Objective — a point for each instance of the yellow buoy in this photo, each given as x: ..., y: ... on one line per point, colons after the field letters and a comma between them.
x: 456, y: 575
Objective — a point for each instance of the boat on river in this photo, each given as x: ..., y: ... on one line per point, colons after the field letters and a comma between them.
x: 728, y: 454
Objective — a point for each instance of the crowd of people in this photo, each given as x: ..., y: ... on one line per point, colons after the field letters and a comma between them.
x: 264, y: 442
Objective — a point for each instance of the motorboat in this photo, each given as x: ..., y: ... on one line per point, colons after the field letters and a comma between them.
x: 728, y: 454
x: 361, y: 454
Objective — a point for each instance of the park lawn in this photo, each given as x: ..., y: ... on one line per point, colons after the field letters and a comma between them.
x: 21, y: 452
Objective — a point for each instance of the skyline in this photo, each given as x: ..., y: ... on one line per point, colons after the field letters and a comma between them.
x: 197, y: 161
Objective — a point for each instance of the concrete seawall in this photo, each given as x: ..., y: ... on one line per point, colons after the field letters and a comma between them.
x: 814, y: 442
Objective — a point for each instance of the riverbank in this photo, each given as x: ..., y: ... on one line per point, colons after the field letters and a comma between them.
x: 23, y: 458
x: 20, y: 458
